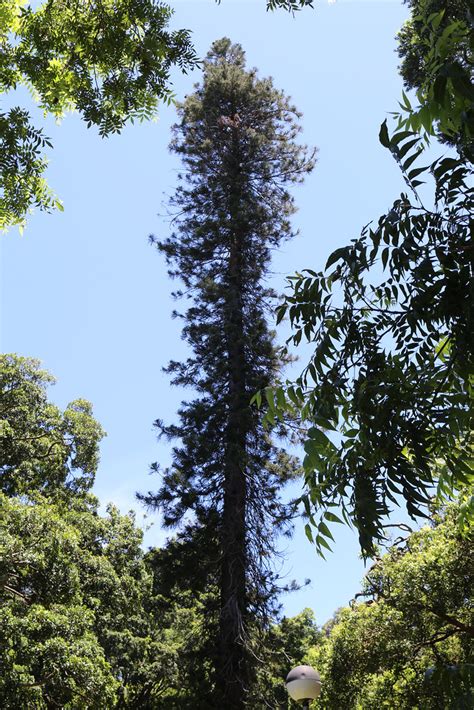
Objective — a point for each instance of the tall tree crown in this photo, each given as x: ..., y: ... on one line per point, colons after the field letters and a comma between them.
x: 237, y: 141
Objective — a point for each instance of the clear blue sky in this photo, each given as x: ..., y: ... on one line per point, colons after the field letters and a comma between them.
x: 84, y: 292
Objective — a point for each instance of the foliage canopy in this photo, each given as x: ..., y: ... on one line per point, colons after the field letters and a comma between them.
x: 84, y: 619
x: 42, y: 447
x: 110, y: 61
x: 435, y: 46
x: 409, y: 644
x: 387, y: 394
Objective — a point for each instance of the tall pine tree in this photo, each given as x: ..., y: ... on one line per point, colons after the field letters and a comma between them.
x: 237, y: 141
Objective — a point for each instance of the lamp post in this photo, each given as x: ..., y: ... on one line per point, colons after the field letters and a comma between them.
x: 303, y: 684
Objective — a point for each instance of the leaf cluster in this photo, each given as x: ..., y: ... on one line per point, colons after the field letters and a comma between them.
x: 43, y: 448
x: 289, y: 5
x: 73, y: 587
x: 110, y: 61
x: 407, y: 640
x: 436, y: 48
x: 388, y: 390
x: 21, y: 168
x: 387, y: 393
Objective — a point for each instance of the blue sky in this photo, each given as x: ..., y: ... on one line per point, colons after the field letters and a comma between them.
x: 84, y: 292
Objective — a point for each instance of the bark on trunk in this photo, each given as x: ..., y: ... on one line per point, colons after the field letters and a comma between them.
x: 233, y: 671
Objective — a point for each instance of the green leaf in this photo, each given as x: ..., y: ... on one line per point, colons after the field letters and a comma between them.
x: 383, y: 135
x: 321, y: 541
x: 336, y: 256
x: 281, y: 399
x: 439, y: 88
x: 437, y: 18
x: 324, y: 530
x: 403, y: 150
x: 351, y: 433
x: 400, y: 136
x: 280, y: 313
x: 416, y: 171
x: 270, y: 397
x: 292, y: 396
x: 319, y: 438
x: 406, y: 101
x: 412, y: 159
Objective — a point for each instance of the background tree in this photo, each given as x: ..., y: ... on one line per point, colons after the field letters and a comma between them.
x: 415, y: 42
x: 80, y: 623
x: 409, y: 645
x: 435, y: 46
x: 43, y: 448
x: 236, y: 138
x: 186, y: 601
x: 288, y: 643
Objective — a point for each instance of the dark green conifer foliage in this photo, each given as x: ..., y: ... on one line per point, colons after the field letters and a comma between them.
x: 237, y: 141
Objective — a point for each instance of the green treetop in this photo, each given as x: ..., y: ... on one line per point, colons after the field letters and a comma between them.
x: 43, y: 448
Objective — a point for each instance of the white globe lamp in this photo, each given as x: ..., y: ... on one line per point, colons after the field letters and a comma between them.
x: 303, y: 684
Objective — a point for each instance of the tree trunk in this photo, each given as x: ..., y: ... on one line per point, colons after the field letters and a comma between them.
x: 233, y: 667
